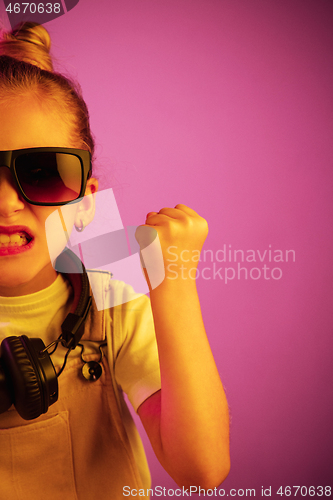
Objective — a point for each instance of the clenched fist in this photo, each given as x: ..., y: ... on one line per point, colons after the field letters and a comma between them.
x: 171, y: 238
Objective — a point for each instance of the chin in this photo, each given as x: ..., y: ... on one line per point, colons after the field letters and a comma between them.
x: 23, y: 278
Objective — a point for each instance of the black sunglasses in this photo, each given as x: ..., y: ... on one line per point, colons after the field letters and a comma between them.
x: 49, y: 176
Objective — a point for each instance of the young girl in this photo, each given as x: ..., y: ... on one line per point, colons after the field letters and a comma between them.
x: 85, y: 444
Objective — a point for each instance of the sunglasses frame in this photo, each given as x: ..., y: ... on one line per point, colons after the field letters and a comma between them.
x: 7, y: 159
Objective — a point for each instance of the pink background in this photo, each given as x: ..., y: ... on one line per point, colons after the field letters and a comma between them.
x: 226, y: 106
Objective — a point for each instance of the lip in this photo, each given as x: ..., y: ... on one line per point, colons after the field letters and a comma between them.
x: 14, y: 250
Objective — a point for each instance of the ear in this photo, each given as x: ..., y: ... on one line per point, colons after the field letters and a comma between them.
x: 86, y: 209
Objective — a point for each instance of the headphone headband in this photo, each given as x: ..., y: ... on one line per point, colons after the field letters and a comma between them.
x: 27, y: 375
x: 73, y: 326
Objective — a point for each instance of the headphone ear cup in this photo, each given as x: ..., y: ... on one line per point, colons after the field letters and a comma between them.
x: 23, y: 378
x: 27, y: 375
x: 5, y: 390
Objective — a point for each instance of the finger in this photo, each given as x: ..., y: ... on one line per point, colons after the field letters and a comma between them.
x: 174, y: 213
x: 156, y: 219
x: 150, y: 213
x: 187, y: 210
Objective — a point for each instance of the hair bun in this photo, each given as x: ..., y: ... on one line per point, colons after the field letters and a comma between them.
x: 28, y: 42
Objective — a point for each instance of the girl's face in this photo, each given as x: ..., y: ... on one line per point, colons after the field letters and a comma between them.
x: 24, y: 124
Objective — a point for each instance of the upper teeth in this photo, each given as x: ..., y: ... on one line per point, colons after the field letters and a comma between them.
x: 13, y: 239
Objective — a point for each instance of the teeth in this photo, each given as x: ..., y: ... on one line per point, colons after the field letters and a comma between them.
x: 17, y: 239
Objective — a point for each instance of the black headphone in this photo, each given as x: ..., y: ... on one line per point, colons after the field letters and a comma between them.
x: 28, y: 378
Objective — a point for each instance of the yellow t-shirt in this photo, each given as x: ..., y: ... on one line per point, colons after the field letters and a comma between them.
x: 134, y: 366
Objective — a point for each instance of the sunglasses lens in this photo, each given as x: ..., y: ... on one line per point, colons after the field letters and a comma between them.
x: 49, y: 177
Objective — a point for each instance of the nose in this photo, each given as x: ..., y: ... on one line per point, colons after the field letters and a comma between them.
x: 10, y: 199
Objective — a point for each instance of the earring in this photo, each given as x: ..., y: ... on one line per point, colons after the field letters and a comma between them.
x: 81, y: 228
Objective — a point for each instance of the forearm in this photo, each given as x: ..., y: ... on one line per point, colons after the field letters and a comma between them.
x: 194, y: 424
x: 187, y: 421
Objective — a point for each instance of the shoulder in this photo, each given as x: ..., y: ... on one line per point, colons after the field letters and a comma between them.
x: 121, y: 314
x: 109, y: 293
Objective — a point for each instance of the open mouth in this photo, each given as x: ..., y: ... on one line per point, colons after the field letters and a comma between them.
x: 19, y: 239
x: 14, y: 240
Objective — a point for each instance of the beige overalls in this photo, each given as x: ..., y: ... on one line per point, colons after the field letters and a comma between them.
x: 79, y: 449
